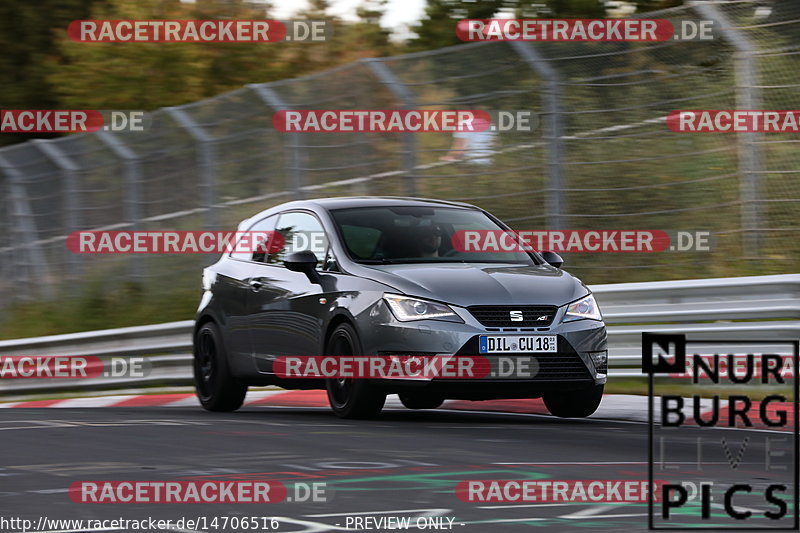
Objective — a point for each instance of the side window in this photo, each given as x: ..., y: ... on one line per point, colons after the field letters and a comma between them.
x: 362, y: 240
x: 300, y: 231
x: 245, y: 249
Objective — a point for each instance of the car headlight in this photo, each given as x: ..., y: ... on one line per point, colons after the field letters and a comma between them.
x: 406, y: 309
x: 584, y: 308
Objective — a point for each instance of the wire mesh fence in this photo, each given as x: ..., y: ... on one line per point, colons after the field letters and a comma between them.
x: 600, y: 156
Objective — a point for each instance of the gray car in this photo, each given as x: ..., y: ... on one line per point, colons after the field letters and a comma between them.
x: 385, y: 277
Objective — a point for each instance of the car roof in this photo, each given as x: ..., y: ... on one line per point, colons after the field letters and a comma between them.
x: 346, y: 202
x: 380, y: 201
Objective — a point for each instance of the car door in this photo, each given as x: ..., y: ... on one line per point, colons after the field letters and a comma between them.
x: 232, y: 289
x: 286, y: 310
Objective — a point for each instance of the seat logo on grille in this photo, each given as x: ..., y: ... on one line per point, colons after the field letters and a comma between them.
x: 516, y: 316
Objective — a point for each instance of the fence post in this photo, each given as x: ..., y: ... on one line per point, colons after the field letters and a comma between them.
x: 69, y: 173
x: 26, y: 237
x: 748, y: 96
x: 556, y: 207
x: 132, y: 200
x: 206, y: 160
x: 398, y: 88
x: 295, y: 166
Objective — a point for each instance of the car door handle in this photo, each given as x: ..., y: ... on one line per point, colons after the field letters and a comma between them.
x: 255, y: 285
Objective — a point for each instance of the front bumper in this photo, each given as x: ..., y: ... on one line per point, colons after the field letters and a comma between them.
x: 580, y: 362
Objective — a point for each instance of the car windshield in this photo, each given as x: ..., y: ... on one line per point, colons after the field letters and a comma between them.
x: 417, y: 234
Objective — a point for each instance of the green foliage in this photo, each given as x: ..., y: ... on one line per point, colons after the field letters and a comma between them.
x: 42, y: 68
x: 102, y: 303
x: 576, y: 9
x: 652, y: 5
x: 27, y: 39
x: 437, y: 28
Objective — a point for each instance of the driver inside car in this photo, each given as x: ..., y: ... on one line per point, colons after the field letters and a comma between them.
x: 429, y: 240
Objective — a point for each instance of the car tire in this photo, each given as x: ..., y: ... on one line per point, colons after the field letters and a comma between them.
x: 574, y: 404
x: 420, y: 401
x: 351, y: 398
x: 214, y: 384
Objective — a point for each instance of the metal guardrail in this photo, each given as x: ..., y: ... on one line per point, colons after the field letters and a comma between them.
x: 745, y: 308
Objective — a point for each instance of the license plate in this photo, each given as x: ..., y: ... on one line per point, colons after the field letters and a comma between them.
x: 517, y: 344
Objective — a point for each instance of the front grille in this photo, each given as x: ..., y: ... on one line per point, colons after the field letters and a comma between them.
x: 557, y: 367
x: 500, y: 316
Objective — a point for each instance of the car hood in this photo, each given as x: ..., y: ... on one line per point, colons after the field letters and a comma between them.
x: 482, y: 284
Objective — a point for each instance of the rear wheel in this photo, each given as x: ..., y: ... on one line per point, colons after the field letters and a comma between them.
x: 421, y: 400
x: 216, y: 388
x: 574, y: 404
x: 351, y: 398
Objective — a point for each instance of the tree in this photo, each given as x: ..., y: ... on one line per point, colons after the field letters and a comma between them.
x: 27, y: 37
x: 643, y: 6
x: 437, y: 28
x: 368, y: 29
x: 576, y: 9
x: 151, y: 75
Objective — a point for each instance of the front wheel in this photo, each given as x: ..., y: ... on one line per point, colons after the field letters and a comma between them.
x: 216, y: 388
x: 351, y: 398
x: 576, y: 403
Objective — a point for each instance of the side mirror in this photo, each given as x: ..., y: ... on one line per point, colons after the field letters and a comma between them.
x: 305, y: 262
x: 553, y: 259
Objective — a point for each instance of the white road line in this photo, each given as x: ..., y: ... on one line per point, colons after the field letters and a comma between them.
x: 526, y: 505
x: 596, y: 510
x: 583, y: 463
x: 505, y: 520
x: 579, y: 463
x: 426, y: 512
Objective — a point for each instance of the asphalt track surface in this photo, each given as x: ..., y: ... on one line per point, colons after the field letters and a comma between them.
x: 404, y: 464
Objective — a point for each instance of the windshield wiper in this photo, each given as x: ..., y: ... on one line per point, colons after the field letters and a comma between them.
x: 375, y: 261
x: 409, y: 261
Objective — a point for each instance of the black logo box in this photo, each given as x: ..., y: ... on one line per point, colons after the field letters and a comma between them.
x: 678, y: 365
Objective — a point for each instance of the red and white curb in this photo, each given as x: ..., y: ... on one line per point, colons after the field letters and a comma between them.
x: 621, y: 407
x: 614, y: 405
